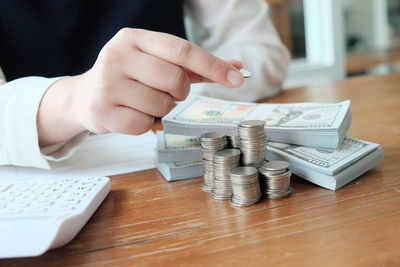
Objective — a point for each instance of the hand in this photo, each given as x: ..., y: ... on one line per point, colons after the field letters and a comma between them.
x: 137, y: 76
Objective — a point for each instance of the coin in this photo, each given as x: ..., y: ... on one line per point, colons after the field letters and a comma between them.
x: 245, y: 73
x: 212, y: 135
x: 253, y: 142
x: 277, y: 165
x: 245, y: 186
x: 252, y: 123
x: 233, y: 139
x: 224, y: 161
x: 275, y: 179
x: 211, y: 143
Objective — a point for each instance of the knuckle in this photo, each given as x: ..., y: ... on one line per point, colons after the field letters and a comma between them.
x: 108, y: 55
x: 166, y: 105
x: 180, y: 84
x: 124, y: 32
x: 178, y: 78
x: 215, y: 66
x: 183, y: 49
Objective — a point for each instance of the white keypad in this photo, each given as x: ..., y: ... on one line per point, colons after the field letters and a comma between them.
x: 44, y: 197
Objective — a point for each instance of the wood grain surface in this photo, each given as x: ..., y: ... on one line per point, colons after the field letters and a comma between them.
x: 148, y: 221
x: 363, y: 60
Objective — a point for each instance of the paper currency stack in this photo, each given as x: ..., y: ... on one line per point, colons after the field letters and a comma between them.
x: 178, y: 156
x: 310, y: 136
x: 305, y: 124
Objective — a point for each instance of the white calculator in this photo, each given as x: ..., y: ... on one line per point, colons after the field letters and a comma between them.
x: 41, y: 214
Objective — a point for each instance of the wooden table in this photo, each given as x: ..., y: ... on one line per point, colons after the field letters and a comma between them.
x: 363, y: 60
x: 148, y: 221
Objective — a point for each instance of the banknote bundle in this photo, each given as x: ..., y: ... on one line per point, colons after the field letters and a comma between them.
x: 310, y: 136
x: 178, y: 156
x: 177, y: 148
x: 331, y: 169
x: 328, y: 168
x: 306, y: 124
x: 180, y: 170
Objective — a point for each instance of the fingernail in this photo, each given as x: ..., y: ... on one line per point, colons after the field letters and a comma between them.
x: 235, y: 77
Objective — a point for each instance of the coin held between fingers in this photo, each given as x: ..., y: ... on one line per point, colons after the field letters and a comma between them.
x: 245, y: 73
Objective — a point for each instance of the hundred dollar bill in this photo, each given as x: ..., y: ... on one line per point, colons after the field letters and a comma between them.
x: 177, y: 148
x: 306, y: 124
x: 329, y: 168
x: 180, y: 170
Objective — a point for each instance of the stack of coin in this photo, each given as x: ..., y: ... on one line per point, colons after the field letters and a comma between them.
x: 233, y: 139
x: 210, y: 143
x: 276, y: 179
x: 245, y: 186
x: 253, y: 141
x: 224, y: 161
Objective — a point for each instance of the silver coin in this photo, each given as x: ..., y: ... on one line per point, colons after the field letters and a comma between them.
x: 227, y: 154
x: 252, y: 124
x: 279, y: 195
x: 275, y: 179
x: 213, y: 135
x: 245, y: 73
x: 211, y: 143
x: 223, y: 162
x: 206, y: 187
x: 244, y: 171
x: 276, y: 165
x: 233, y: 139
x: 245, y: 186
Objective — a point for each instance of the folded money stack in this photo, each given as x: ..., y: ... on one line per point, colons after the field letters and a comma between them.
x: 305, y: 124
x: 180, y: 170
x: 319, y: 150
x: 177, y: 148
x: 178, y: 156
x: 331, y: 169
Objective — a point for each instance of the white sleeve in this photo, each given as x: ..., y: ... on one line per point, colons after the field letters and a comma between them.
x: 242, y: 30
x: 19, y: 105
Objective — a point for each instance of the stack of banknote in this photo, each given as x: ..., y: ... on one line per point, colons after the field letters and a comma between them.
x: 305, y: 124
x: 178, y: 156
x: 331, y: 169
x: 310, y: 136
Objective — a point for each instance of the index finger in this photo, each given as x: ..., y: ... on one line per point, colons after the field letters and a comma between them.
x: 187, y: 55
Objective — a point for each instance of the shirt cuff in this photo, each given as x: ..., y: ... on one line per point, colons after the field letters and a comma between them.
x: 65, y: 149
x: 19, y: 143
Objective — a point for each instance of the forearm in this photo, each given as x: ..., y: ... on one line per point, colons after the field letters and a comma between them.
x: 56, y: 119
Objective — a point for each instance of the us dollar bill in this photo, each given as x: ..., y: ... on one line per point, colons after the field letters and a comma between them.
x: 177, y: 148
x: 306, y: 124
x: 325, y: 161
x: 180, y: 170
x: 176, y: 141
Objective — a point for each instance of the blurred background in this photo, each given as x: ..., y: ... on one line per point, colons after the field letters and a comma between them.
x: 333, y: 39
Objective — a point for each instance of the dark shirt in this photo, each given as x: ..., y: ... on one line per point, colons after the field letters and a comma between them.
x: 63, y: 37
